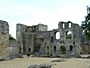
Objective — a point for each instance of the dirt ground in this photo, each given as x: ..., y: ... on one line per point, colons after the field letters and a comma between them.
x: 25, y: 62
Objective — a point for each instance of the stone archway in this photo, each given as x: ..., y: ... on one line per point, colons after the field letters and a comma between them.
x: 71, y: 48
x: 29, y: 49
x: 63, y: 50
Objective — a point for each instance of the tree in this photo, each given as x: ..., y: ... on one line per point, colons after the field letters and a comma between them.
x: 11, y: 38
x: 86, y: 25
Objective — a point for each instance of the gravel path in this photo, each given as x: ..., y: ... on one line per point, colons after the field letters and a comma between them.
x: 25, y: 62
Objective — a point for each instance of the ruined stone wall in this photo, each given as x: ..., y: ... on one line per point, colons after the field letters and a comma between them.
x: 4, y: 38
x: 28, y: 42
x: 43, y: 41
x: 36, y: 39
x: 69, y: 42
x: 69, y: 33
x: 19, y: 35
x: 26, y: 36
x: 42, y: 27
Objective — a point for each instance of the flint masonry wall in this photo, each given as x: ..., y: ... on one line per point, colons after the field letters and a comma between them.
x: 26, y: 37
x: 4, y: 37
x: 71, y: 37
x: 36, y: 39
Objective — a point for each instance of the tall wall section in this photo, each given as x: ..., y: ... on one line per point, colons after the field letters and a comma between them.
x: 4, y: 38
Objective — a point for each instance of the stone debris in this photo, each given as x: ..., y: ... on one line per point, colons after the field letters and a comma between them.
x: 34, y: 66
x: 88, y: 57
x: 41, y: 66
x: 2, y: 59
x: 45, y: 66
x: 58, y: 60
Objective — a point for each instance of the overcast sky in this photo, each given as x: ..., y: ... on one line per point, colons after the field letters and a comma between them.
x: 49, y: 12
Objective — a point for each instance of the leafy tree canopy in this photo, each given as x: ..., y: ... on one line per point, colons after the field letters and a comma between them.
x: 86, y: 25
x: 11, y: 38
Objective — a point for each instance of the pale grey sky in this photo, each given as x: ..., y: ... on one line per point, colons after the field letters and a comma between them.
x: 49, y: 12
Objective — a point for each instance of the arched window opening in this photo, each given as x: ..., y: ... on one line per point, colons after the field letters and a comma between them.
x: 71, y: 48
x: 58, y: 35
x: 51, y: 39
x: 29, y: 49
x: 47, y: 48
x: 69, y: 25
x: 63, y: 25
x: 63, y: 50
x: 54, y: 48
x: 68, y: 35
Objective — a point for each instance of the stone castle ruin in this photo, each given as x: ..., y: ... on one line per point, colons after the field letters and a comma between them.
x: 8, y: 47
x: 39, y: 41
x: 4, y: 37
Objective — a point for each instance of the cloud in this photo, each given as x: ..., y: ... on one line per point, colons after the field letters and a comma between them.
x: 51, y: 19
x: 31, y: 14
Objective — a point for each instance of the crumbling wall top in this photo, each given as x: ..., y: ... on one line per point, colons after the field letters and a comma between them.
x: 67, y: 25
